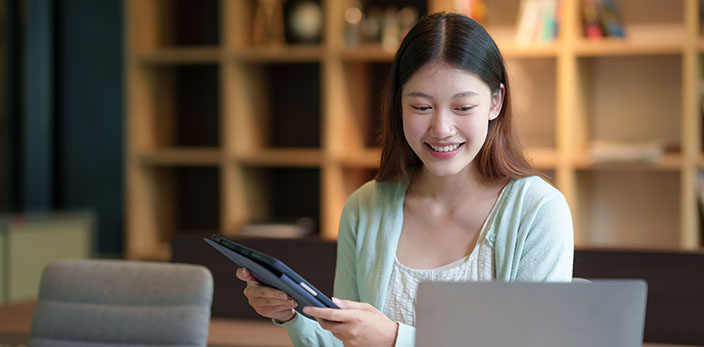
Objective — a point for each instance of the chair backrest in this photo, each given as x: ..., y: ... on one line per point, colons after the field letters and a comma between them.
x: 122, y: 303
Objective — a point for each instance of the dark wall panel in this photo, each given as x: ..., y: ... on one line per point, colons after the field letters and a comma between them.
x: 89, y: 98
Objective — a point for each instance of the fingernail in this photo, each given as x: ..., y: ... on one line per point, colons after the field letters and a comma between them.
x: 307, y: 310
x: 336, y: 300
x: 294, y: 303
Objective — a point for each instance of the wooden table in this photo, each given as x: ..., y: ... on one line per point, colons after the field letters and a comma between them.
x: 16, y: 318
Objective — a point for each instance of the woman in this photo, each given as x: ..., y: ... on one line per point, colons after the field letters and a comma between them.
x: 454, y: 199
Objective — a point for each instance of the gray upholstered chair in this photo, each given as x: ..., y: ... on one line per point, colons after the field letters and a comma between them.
x: 122, y: 303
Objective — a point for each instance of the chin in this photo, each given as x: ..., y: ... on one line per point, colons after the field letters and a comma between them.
x: 444, y: 171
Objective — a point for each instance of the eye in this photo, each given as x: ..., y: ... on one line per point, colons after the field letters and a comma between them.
x: 464, y: 108
x: 421, y: 108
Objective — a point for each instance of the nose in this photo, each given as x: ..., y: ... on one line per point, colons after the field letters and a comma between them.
x: 442, y: 124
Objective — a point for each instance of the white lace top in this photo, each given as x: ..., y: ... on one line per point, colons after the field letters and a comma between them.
x: 400, y: 303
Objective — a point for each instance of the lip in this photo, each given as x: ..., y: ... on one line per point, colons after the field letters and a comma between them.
x: 443, y: 155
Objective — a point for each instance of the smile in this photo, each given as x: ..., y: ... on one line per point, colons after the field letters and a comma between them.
x: 448, y: 148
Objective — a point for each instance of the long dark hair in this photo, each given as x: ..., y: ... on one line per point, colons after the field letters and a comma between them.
x: 462, y: 43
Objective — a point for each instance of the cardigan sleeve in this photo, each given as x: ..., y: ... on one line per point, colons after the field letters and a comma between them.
x: 406, y: 336
x: 548, y: 249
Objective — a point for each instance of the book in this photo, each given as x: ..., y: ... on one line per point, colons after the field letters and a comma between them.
x: 537, y: 22
x: 611, y: 17
x: 549, y: 21
x: 601, y: 151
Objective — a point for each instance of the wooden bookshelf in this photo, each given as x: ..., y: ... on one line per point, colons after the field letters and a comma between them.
x: 222, y: 132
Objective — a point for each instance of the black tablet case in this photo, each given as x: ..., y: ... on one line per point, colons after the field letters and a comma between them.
x: 272, y: 272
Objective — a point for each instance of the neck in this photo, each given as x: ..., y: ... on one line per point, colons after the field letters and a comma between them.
x: 447, y: 190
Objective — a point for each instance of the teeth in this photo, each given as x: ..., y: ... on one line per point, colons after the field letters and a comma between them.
x: 444, y: 148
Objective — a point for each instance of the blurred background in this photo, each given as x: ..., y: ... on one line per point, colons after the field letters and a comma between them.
x: 128, y: 127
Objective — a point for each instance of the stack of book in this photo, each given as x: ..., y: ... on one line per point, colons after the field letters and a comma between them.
x: 601, y: 151
x: 537, y: 22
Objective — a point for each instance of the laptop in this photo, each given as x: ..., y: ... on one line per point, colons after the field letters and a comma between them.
x: 598, y: 313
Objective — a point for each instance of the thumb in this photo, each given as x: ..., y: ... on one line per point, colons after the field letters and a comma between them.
x: 351, y: 305
x: 244, y: 275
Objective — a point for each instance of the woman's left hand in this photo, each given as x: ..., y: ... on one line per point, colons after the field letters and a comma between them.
x: 356, y: 323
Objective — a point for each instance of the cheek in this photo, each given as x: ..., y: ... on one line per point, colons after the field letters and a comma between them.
x: 414, y: 128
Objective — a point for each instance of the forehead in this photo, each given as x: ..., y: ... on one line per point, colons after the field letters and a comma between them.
x: 438, y: 76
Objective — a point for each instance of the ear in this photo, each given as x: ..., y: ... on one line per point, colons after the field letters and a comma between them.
x: 497, y: 100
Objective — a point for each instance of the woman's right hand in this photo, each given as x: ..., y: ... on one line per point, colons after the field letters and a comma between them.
x: 267, y: 301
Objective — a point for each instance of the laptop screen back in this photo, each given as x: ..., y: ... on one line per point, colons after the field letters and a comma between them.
x: 599, y: 313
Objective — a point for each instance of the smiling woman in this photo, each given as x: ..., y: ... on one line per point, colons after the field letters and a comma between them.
x: 454, y: 200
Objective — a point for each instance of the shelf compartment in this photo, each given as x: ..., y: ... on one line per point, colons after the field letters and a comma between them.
x: 176, y: 106
x: 534, y: 109
x: 668, y: 162
x: 181, y: 55
x: 276, y: 33
x: 369, y: 33
x: 181, y: 156
x: 169, y: 200
x: 173, y: 23
x: 631, y: 47
x: 289, y: 157
x: 502, y: 21
x: 282, y: 194
x: 630, y: 99
x: 356, y: 115
x: 650, y: 27
x: 279, y: 106
x: 613, y: 206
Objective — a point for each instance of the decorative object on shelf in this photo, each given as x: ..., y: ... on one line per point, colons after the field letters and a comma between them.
x: 610, y: 151
x: 353, y: 23
x: 306, y: 21
x: 591, y: 22
x: 475, y: 9
x: 408, y: 16
x: 537, y: 22
x: 390, y: 37
x: 601, y: 18
x: 268, y: 23
x: 376, y: 26
x: 372, y: 23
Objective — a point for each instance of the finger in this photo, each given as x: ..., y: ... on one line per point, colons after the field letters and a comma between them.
x: 265, y: 311
x: 336, y: 328
x: 352, y: 305
x: 245, y: 275
x: 259, y: 291
x: 266, y: 302
x: 331, y: 314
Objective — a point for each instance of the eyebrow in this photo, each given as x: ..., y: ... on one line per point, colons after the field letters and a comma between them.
x: 458, y: 95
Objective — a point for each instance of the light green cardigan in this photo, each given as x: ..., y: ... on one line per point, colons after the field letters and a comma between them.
x: 530, y: 230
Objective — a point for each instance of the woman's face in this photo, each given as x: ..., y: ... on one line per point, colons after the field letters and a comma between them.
x: 446, y: 113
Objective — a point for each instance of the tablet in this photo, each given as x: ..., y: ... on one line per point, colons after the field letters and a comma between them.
x: 272, y: 272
